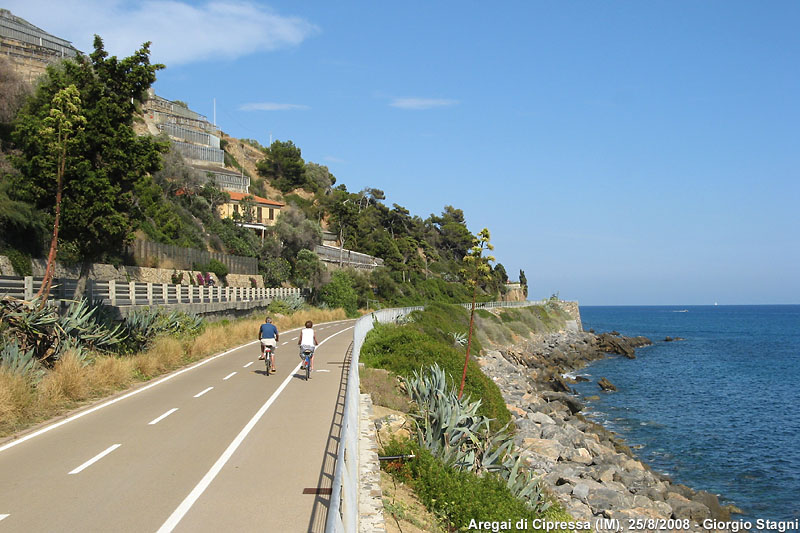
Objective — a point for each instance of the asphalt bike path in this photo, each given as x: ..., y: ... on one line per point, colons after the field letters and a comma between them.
x: 220, y: 445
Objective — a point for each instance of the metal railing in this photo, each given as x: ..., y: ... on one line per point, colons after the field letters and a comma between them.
x: 332, y: 254
x: 343, y: 514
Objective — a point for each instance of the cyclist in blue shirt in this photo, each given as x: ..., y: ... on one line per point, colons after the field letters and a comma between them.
x: 268, y: 335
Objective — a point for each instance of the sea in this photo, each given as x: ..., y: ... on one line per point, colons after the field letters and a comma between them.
x: 718, y: 411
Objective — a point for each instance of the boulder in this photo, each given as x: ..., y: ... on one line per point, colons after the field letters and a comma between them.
x: 606, y: 499
x: 559, y: 385
x: 712, y: 502
x: 540, y: 418
x: 606, y: 385
x: 579, y: 455
x: 549, y: 448
x: 682, y: 509
x: 573, y: 403
x: 581, y: 491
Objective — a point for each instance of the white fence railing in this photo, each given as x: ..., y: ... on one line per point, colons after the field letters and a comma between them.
x: 121, y: 293
x: 343, y: 516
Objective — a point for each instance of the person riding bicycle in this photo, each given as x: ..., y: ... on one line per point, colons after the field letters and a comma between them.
x: 268, y: 335
x: 308, y: 340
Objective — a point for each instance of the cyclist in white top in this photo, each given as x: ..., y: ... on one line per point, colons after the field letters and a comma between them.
x: 308, y: 339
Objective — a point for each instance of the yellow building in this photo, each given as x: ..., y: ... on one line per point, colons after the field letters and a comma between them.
x: 264, y: 213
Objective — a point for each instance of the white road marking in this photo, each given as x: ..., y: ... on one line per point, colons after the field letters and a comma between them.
x: 287, y: 342
x: 162, y: 417
x: 204, y: 483
x: 229, y: 376
x: 248, y: 364
x: 203, y: 392
x: 321, y: 370
x: 96, y: 458
x: 2, y: 516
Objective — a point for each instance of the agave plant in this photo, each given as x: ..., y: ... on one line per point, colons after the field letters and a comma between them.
x: 459, y: 338
x: 47, y: 333
x: 19, y: 361
x: 145, y: 324
x: 452, y: 429
x: 84, y: 327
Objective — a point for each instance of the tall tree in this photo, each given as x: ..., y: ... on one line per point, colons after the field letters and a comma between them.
x: 107, y: 158
x: 63, y: 124
x: 524, y: 282
x: 283, y: 166
x: 476, y: 270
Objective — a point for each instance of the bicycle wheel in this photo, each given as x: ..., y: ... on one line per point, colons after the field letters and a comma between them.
x: 308, y: 368
x: 268, y: 361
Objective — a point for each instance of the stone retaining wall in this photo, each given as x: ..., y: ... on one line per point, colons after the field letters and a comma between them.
x: 126, y: 273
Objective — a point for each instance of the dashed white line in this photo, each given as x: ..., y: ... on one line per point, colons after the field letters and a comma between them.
x: 162, y: 417
x: 178, y: 514
x: 96, y: 458
x: 2, y: 516
x: 202, y: 392
x: 229, y: 376
x: 248, y: 364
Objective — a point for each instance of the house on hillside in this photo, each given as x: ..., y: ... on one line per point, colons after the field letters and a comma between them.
x: 257, y: 214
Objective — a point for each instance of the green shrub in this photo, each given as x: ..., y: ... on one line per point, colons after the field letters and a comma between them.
x: 218, y: 268
x: 21, y: 262
x: 458, y: 496
x: 340, y: 293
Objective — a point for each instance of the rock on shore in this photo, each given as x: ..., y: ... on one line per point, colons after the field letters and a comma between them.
x: 588, y: 468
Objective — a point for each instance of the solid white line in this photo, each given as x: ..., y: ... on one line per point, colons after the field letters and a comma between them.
x: 248, y: 364
x: 124, y: 397
x: 193, y: 496
x: 202, y: 392
x: 229, y: 376
x: 96, y: 458
x: 162, y: 417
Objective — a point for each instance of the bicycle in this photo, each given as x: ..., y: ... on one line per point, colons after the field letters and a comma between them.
x: 268, y: 357
x: 306, y: 354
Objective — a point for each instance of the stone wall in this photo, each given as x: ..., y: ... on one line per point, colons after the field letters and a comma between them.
x: 104, y: 272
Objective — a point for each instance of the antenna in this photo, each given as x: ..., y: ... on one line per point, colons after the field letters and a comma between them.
x: 215, y: 111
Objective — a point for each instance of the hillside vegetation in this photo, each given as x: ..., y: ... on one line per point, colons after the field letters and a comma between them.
x: 109, y: 184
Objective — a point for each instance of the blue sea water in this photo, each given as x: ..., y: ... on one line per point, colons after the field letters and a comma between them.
x: 717, y: 411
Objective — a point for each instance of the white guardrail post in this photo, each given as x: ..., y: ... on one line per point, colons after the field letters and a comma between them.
x: 343, y: 514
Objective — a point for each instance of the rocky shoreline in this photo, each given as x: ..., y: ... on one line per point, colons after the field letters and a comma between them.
x: 588, y: 468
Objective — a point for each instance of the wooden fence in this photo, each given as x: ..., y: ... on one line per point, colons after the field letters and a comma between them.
x: 122, y: 294
x: 149, y: 253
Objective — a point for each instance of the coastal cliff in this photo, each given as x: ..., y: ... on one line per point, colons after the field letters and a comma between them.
x: 588, y: 468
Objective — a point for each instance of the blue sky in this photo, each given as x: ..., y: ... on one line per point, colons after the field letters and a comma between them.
x: 619, y: 152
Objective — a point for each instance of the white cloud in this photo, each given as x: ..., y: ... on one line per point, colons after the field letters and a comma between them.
x: 331, y: 159
x: 181, y: 32
x: 272, y: 106
x: 422, y: 103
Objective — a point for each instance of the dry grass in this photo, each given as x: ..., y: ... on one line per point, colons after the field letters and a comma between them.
x: 63, y: 385
x: 384, y: 389
x: 72, y: 381
x: 16, y: 397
